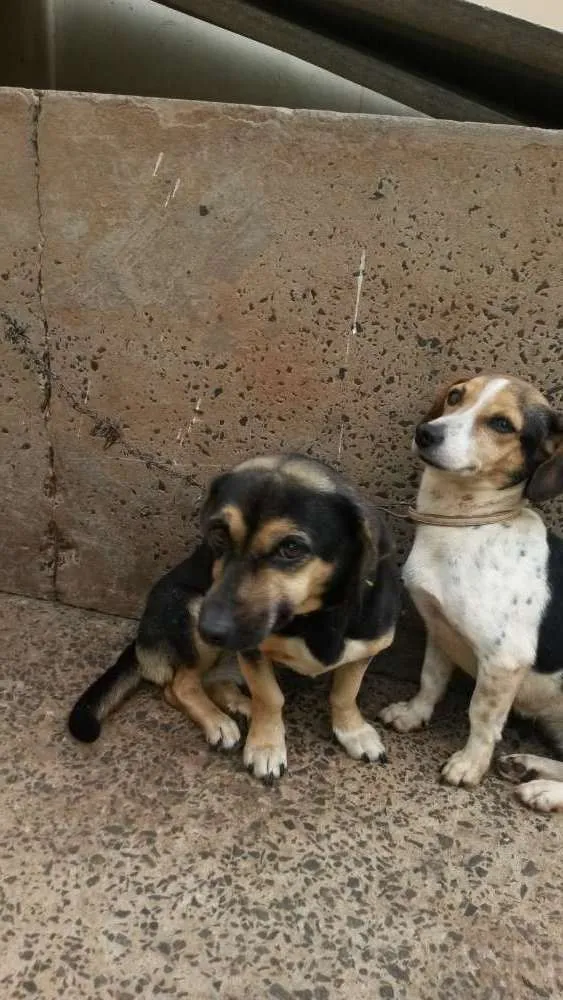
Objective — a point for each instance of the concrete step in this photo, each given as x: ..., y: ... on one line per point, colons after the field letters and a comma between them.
x: 148, y: 863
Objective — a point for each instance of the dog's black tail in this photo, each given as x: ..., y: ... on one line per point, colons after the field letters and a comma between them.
x: 104, y: 695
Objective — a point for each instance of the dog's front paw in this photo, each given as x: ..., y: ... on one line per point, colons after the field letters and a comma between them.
x: 405, y: 716
x: 362, y: 744
x: 265, y: 760
x: 464, y: 768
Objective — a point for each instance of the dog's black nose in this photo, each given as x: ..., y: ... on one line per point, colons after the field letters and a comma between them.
x: 427, y: 435
x: 215, y: 626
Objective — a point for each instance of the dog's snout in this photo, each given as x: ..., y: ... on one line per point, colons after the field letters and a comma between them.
x: 215, y: 625
x: 226, y: 623
x: 428, y: 435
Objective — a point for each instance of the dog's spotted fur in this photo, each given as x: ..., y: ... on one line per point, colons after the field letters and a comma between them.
x: 491, y: 595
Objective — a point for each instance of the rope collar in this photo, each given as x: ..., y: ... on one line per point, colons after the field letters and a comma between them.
x: 464, y: 520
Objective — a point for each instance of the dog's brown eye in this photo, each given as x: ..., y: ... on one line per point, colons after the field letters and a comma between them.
x: 502, y: 425
x: 218, y: 539
x: 291, y: 550
x: 454, y: 397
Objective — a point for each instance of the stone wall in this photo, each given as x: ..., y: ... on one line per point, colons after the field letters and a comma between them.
x: 178, y: 290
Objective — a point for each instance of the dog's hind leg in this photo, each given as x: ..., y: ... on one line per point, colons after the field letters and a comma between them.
x: 228, y: 696
x: 187, y: 693
x: 222, y: 682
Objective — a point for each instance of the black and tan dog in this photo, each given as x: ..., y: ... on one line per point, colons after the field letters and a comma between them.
x: 288, y: 572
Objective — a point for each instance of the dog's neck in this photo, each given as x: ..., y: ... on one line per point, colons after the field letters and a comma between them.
x: 444, y: 496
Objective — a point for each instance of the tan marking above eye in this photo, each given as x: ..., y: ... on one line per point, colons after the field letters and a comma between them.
x: 234, y: 519
x: 271, y: 533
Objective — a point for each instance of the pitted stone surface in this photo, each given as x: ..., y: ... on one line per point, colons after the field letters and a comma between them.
x: 200, y: 275
x: 26, y: 514
x: 147, y: 865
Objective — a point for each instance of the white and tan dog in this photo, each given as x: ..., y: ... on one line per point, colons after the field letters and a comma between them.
x: 487, y: 576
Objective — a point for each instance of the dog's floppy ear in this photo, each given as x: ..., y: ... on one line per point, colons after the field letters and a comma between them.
x: 210, y: 498
x: 364, y: 542
x: 437, y: 407
x: 379, y: 565
x: 546, y: 481
x: 386, y: 544
x: 378, y: 546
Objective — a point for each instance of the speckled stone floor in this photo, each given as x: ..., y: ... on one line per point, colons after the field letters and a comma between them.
x: 146, y: 865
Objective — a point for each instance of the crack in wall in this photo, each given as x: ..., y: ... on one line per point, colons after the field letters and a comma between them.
x: 104, y: 427
x: 107, y: 428
x: 42, y: 364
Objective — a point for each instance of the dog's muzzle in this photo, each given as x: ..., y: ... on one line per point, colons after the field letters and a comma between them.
x: 223, y: 626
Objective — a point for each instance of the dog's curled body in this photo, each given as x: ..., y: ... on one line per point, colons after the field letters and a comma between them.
x: 288, y: 572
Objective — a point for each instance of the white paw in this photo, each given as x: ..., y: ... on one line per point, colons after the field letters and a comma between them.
x: 267, y: 761
x: 464, y: 769
x: 405, y: 716
x: 542, y: 795
x: 362, y: 744
x: 223, y: 734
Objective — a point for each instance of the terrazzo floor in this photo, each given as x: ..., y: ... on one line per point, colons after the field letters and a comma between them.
x: 147, y: 865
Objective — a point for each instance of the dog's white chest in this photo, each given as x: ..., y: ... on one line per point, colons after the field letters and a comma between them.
x: 486, y: 585
x: 293, y: 652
